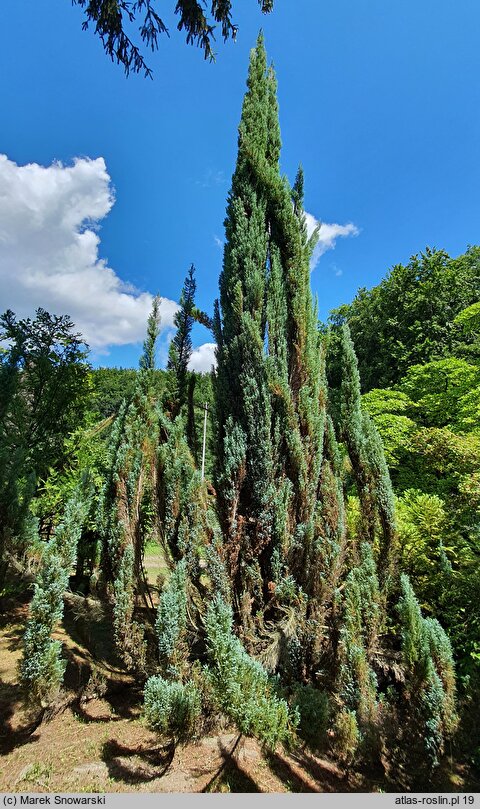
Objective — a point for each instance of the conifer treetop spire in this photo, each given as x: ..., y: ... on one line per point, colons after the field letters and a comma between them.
x: 245, y: 481
x: 180, y: 349
x: 147, y: 359
x: 269, y: 399
x: 274, y: 142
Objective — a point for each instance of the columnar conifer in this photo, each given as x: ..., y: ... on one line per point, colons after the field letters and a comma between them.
x: 429, y: 709
x: 181, y: 346
x: 132, y: 477
x: 279, y: 584
x: 309, y: 597
x: 147, y: 359
x: 42, y: 667
x: 245, y: 478
x: 368, y: 460
x: 271, y: 390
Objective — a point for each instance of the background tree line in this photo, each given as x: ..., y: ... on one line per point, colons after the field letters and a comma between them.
x: 417, y: 339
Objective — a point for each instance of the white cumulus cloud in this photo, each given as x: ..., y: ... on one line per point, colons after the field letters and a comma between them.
x: 203, y: 358
x: 327, y: 236
x: 49, y: 252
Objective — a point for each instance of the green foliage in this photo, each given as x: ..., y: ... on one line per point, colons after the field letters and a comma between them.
x: 44, y: 386
x: 361, y: 626
x: 126, y: 504
x: 110, y: 387
x: 241, y: 685
x: 186, y: 392
x: 413, y: 639
x: 468, y: 414
x: 199, y: 393
x: 346, y: 735
x: 313, y: 710
x: 128, y: 633
x: 443, y: 458
x: 459, y: 610
x: 86, y: 454
x: 430, y: 424
x: 390, y: 401
x: 370, y: 469
x: 244, y: 477
x: 430, y: 677
x: 147, y: 359
x: 171, y: 622
x: 17, y: 490
x: 469, y: 318
x: 175, y: 471
x: 363, y: 602
x: 407, y: 319
x: 388, y: 409
x: 42, y: 667
x: 439, y: 388
x: 129, y: 454
x: 270, y: 384
x: 422, y: 528
x: 109, y: 24
x: 172, y: 708
x: 180, y: 349
x: 43, y: 397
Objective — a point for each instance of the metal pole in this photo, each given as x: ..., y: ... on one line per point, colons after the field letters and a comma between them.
x: 204, y: 439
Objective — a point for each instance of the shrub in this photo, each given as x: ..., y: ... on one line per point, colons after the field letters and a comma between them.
x: 129, y: 634
x: 171, y: 620
x: 42, y: 668
x: 172, y: 708
x: 430, y: 680
x: 361, y: 618
x: 313, y: 710
x: 347, y: 735
x: 241, y: 685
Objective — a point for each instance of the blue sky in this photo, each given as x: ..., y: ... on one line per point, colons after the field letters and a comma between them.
x: 379, y: 100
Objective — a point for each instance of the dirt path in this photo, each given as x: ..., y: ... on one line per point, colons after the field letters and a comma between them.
x: 115, y: 754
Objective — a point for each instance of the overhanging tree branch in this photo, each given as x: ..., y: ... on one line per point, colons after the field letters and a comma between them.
x: 110, y: 17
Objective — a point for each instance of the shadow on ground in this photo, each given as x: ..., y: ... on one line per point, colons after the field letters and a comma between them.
x: 230, y: 776
x: 10, y: 737
x: 134, y: 765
